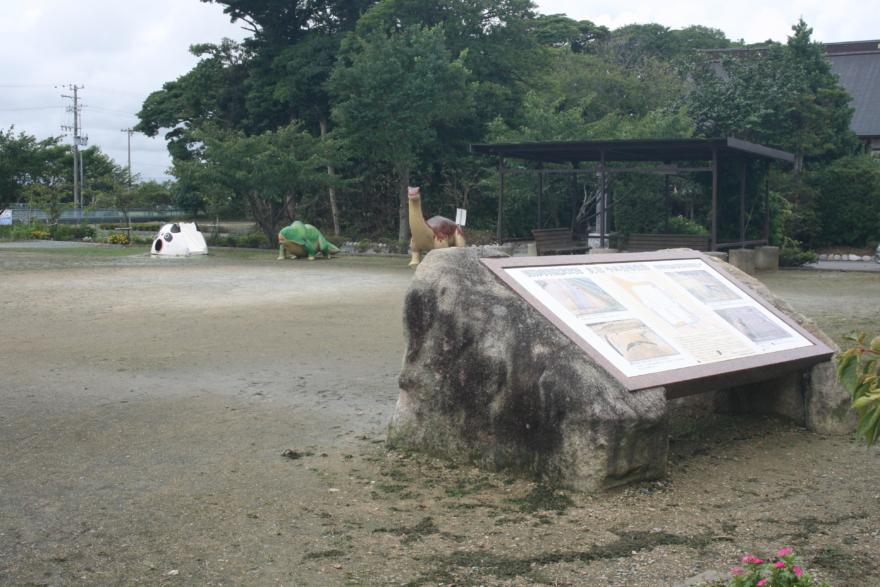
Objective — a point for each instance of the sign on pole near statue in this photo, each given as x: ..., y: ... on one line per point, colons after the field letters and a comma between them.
x: 671, y: 319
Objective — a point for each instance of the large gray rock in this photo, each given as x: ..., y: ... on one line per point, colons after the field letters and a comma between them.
x: 489, y: 380
x: 813, y: 399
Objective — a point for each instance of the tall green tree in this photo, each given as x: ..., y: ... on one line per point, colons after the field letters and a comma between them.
x: 782, y: 96
x: 51, y: 194
x: 213, y: 92
x: 558, y: 30
x: 23, y: 159
x: 393, y: 92
x: 266, y: 172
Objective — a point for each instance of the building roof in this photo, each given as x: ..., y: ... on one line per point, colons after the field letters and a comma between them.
x: 634, y: 150
x: 858, y: 65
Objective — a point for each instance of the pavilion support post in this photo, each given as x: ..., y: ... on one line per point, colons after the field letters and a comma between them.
x: 767, y: 212
x: 540, y: 194
x: 742, y: 204
x: 573, y: 197
x: 500, y: 199
x: 601, y: 199
x: 666, y: 221
x: 714, y: 243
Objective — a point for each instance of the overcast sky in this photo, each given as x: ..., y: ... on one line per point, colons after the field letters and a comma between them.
x: 120, y: 51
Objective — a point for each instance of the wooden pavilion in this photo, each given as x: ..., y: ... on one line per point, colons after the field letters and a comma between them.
x: 669, y: 156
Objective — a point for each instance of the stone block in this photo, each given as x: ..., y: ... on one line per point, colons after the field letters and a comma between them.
x: 532, y: 249
x: 488, y: 380
x: 717, y: 254
x: 743, y: 259
x: 766, y: 258
x: 823, y: 257
x: 503, y: 249
x: 827, y: 404
x: 602, y: 251
x: 866, y: 258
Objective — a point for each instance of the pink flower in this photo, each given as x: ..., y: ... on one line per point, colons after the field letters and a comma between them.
x: 784, y: 552
x: 736, y: 571
x: 780, y: 565
x: 798, y: 571
x: 749, y: 559
x: 762, y: 582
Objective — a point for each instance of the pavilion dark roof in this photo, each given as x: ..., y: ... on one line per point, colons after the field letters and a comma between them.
x: 632, y: 150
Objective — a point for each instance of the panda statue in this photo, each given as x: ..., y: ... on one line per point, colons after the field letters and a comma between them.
x: 181, y: 239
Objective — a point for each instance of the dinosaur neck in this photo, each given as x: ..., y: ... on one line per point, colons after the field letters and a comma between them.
x: 417, y: 223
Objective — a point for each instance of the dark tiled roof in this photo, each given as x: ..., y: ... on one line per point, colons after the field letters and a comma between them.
x: 860, y: 75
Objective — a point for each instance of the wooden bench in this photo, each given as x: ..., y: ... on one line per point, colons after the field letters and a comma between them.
x: 555, y: 241
x: 640, y: 243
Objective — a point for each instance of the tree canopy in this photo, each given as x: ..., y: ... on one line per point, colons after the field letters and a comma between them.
x: 401, y: 87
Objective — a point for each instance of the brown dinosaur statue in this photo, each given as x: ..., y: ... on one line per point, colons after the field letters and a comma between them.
x: 427, y: 235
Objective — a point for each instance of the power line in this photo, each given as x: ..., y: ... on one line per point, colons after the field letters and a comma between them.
x: 28, y: 85
x: 119, y: 92
x: 23, y: 109
x: 108, y: 111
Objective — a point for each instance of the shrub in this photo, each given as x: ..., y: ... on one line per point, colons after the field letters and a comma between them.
x: 784, y: 571
x: 858, y: 370
x: 40, y: 235
x: 681, y: 225
x: 789, y: 257
x: 848, y: 204
x: 60, y: 232
x: 82, y: 231
x: 118, y: 239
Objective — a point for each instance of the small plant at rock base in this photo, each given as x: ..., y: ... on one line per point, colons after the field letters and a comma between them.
x: 784, y: 571
x: 858, y: 370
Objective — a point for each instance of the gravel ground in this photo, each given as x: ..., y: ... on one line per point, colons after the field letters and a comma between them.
x: 145, y: 405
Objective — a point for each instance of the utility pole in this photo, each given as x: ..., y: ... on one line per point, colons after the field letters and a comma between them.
x: 77, y: 141
x: 130, y: 132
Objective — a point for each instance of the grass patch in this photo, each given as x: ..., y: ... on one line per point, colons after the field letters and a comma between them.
x: 543, y: 498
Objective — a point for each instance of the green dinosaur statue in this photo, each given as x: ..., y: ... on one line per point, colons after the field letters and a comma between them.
x: 303, y: 240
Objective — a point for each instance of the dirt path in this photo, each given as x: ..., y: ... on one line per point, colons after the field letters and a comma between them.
x: 144, y: 406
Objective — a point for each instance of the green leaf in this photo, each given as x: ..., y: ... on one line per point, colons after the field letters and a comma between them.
x: 848, y: 373
x: 864, y: 401
x: 875, y: 344
x: 862, y: 338
x: 868, y: 426
x: 861, y: 390
x: 870, y: 367
x: 853, y: 336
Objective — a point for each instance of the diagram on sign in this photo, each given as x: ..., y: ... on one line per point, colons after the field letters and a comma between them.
x: 653, y: 316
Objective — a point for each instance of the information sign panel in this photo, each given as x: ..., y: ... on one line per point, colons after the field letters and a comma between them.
x: 670, y: 318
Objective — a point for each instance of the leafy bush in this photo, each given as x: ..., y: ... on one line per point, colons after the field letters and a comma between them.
x: 681, y: 225
x: 782, y: 572
x: 83, y: 231
x: 118, y: 239
x: 60, y: 232
x: 847, y: 201
x: 858, y: 370
x: 39, y: 235
x: 791, y: 257
x: 254, y: 240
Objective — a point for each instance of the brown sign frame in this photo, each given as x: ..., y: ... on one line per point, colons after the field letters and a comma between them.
x: 687, y: 380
